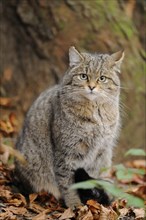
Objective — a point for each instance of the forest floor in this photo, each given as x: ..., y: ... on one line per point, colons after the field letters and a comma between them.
x: 42, y: 206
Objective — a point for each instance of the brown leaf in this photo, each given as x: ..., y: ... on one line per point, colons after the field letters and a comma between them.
x: 87, y: 216
x: 16, y: 210
x: 6, y: 127
x: 94, y: 204
x: 13, y: 152
x: 67, y: 214
x: 22, y: 198
x: 107, y: 214
x: 4, y: 156
x: 140, y: 213
x: 82, y: 211
x: 5, y: 194
x: 17, y: 200
x: 123, y: 211
x: 7, y: 216
x: 139, y: 191
x: 136, y: 164
x: 41, y: 216
x: 36, y: 208
x: 32, y: 197
x: 136, y: 178
x: 8, y: 102
x: 13, y: 119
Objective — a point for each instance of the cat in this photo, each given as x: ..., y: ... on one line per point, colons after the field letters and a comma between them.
x: 73, y: 125
x: 97, y: 194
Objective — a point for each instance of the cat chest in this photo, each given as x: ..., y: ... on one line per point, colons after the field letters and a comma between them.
x: 87, y: 155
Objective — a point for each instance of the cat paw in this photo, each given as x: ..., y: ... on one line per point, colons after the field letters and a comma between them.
x: 73, y: 203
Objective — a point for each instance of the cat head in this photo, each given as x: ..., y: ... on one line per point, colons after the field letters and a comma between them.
x: 93, y: 76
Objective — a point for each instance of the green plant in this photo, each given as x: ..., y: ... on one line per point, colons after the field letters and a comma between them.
x: 122, y: 173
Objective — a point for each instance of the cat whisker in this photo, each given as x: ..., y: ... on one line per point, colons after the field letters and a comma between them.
x: 124, y: 88
x: 113, y: 99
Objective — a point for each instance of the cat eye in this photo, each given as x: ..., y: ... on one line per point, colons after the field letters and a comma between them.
x: 102, y: 79
x: 83, y: 76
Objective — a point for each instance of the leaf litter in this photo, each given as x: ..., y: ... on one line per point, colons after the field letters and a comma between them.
x: 42, y: 206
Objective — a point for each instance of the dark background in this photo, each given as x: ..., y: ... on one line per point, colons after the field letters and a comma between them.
x: 35, y: 36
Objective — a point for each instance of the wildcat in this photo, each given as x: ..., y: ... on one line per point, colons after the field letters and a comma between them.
x: 73, y: 125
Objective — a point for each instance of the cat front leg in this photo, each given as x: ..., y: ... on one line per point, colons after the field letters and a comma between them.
x: 65, y: 179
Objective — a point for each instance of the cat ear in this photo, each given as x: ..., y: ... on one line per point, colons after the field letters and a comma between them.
x: 74, y: 56
x: 117, y: 59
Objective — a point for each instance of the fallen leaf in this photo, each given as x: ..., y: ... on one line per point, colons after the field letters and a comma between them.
x: 13, y: 152
x: 139, y: 191
x: 6, y: 127
x: 17, y: 200
x: 94, y: 204
x: 32, y: 197
x: 67, y: 214
x: 13, y: 119
x: 35, y: 208
x: 4, y: 156
x: 87, y: 216
x: 41, y: 216
x: 8, y: 102
x: 16, y: 210
x: 107, y: 214
x: 136, y: 163
x: 140, y: 213
x: 5, y: 195
x: 83, y: 210
x: 123, y: 211
x: 7, y: 216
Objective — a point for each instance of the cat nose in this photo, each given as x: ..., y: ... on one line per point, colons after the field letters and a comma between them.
x: 91, y: 87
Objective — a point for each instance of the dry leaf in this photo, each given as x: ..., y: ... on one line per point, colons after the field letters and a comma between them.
x: 4, y: 157
x: 17, y: 200
x: 82, y: 211
x: 94, y: 204
x: 8, y: 102
x: 140, y: 213
x: 41, y: 216
x: 5, y: 194
x: 7, y: 216
x: 36, y: 208
x: 6, y: 127
x: 107, y: 214
x: 32, y: 197
x: 13, y: 152
x: 123, y: 211
x: 16, y: 210
x: 67, y: 214
x: 136, y: 164
x: 13, y: 119
x: 139, y: 191
x: 87, y: 216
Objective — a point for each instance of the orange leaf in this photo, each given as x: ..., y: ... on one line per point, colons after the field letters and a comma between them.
x: 32, y: 197
x: 67, y: 214
x: 13, y: 120
x: 7, y: 102
x: 94, y: 204
x: 41, y: 216
x: 6, y: 127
